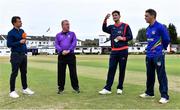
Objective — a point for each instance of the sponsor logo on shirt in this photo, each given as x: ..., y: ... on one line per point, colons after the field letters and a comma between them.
x: 150, y: 39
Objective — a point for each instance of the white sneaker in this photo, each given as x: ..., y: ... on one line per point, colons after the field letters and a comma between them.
x: 28, y: 91
x: 104, y: 92
x: 13, y: 94
x: 144, y: 95
x: 119, y: 91
x: 163, y: 100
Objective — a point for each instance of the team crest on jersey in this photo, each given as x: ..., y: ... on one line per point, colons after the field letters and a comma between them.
x: 119, y: 32
x: 153, y: 32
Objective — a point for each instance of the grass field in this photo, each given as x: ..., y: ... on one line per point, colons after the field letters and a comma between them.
x: 92, y: 70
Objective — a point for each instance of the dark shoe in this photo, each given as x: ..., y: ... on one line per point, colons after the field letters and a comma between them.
x: 77, y: 91
x: 60, y: 91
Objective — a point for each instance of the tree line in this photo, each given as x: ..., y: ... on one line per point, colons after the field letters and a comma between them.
x: 141, y: 36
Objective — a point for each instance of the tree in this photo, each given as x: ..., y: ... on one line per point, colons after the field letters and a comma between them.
x: 141, y: 36
x: 131, y: 43
x: 172, y: 33
x: 178, y: 40
x: 89, y: 42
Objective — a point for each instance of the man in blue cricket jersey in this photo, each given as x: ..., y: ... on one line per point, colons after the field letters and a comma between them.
x: 17, y: 42
x: 158, y: 40
x: 120, y: 34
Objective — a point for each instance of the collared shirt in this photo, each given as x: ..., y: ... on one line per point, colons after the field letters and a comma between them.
x: 13, y: 41
x: 65, y: 41
x: 158, y: 39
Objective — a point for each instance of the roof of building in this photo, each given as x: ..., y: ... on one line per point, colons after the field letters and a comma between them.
x: 37, y: 38
x: 41, y: 38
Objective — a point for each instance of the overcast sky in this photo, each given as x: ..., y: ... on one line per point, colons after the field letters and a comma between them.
x: 85, y: 16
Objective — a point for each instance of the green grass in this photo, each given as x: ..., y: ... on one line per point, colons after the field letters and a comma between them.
x: 92, y: 70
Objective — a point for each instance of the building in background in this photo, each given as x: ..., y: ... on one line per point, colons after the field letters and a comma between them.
x: 105, y: 43
x: 4, y: 51
x: 35, y: 44
x: 45, y: 45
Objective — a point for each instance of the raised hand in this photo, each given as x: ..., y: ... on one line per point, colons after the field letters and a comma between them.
x: 107, y: 16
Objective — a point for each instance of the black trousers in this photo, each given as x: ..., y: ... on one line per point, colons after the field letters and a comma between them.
x: 18, y: 61
x: 63, y: 61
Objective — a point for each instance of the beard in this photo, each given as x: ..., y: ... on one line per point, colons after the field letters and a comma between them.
x: 116, y: 20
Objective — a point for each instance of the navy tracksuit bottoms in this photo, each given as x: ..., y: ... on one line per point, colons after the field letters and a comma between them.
x: 156, y: 63
x: 116, y: 57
